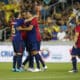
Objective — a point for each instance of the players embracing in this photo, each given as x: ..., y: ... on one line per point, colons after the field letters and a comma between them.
x: 32, y: 42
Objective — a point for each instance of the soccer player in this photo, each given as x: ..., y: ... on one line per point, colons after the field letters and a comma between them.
x: 24, y: 37
x: 76, y: 48
x: 38, y: 35
x: 17, y: 43
x: 32, y: 40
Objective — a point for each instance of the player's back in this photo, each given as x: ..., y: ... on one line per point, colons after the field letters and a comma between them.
x: 31, y: 35
x: 17, y: 23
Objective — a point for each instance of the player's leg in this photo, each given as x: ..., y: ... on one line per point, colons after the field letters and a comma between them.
x: 31, y: 62
x: 14, y: 62
x: 40, y: 58
x: 42, y: 62
x: 25, y: 61
x: 20, y: 49
x: 19, y: 61
x: 74, y: 60
x: 29, y: 58
x: 74, y: 63
x: 36, y: 55
x: 14, y: 57
x: 34, y: 52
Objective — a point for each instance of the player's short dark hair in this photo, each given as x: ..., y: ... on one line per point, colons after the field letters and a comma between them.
x: 30, y: 11
x: 16, y: 14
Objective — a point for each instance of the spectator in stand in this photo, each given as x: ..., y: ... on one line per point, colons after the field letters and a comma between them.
x: 54, y: 34
x: 56, y: 27
x: 61, y: 35
x: 63, y: 26
x: 46, y: 35
x: 43, y: 11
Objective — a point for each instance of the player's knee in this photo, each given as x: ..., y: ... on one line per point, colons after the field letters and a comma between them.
x: 34, y: 52
x: 14, y: 54
x: 19, y: 53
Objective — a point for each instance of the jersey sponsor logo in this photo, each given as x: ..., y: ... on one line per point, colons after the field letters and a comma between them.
x: 5, y: 53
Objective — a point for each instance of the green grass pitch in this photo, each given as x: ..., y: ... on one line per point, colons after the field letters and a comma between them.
x: 55, y: 71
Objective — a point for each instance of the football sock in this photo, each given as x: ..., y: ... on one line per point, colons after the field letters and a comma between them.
x: 26, y: 60
x: 42, y: 62
x: 19, y: 61
x: 74, y: 63
x: 14, y: 61
x: 31, y: 61
x: 37, y: 60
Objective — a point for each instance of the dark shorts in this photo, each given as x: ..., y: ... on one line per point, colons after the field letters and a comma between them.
x: 31, y: 46
x: 18, y: 46
x: 75, y: 51
x: 38, y: 45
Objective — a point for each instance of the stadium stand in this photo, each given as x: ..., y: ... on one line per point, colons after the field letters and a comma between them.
x: 55, y: 18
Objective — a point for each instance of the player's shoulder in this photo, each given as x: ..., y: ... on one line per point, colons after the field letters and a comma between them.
x: 77, y: 28
x: 34, y: 19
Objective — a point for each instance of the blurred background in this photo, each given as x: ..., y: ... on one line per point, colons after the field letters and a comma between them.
x: 57, y: 18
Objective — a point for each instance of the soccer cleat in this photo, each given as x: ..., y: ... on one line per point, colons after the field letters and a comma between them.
x: 37, y: 70
x: 73, y: 71
x: 44, y: 68
x: 23, y: 68
x: 19, y: 70
x: 30, y: 69
x: 14, y: 69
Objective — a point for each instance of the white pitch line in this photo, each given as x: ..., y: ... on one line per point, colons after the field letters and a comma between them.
x: 47, y: 78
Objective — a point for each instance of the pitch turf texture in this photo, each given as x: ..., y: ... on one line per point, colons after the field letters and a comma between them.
x: 55, y: 71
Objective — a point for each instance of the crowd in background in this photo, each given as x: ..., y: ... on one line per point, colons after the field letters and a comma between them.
x: 56, y: 21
